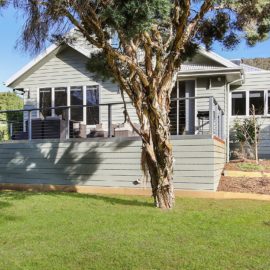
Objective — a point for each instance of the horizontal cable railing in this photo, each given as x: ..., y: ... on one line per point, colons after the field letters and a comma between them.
x: 188, y: 115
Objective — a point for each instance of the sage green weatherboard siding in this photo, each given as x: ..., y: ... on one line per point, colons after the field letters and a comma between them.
x: 199, y: 161
x: 68, y: 68
x: 258, y: 81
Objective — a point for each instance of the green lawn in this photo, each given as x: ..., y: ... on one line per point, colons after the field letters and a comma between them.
x: 72, y: 231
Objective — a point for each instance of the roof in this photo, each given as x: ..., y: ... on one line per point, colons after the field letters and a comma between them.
x: 79, y: 44
x: 251, y: 69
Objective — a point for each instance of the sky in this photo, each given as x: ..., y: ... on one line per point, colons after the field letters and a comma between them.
x: 12, y: 59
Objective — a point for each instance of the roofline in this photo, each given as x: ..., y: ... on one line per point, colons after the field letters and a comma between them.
x: 53, y: 47
x: 212, y: 71
x: 223, y: 61
x: 31, y: 64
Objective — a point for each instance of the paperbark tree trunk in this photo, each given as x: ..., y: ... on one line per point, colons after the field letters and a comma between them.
x: 157, y: 156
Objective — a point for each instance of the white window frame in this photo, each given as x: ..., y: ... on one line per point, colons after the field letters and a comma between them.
x: 84, y: 87
x: 99, y: 101
x: 247, y: 103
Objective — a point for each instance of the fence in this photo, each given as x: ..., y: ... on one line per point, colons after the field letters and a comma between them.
x: 193, y: 115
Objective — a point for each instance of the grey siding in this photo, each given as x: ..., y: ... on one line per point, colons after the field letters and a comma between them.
x: 108, y: 163
x: 68, y: 68
x: 217, y: 90
x: 257, y: 81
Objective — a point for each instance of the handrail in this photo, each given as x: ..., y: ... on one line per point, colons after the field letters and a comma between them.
x: 215, y: 118
x: 104, y: 104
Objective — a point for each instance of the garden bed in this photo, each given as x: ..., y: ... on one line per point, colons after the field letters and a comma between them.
x: 256, y: 179
x: 259, y: 185
x: 247, y: 165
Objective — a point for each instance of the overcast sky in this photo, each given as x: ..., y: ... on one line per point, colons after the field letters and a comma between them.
x: 11, y: 60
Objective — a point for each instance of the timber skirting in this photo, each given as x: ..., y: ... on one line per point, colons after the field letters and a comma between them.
x: 132, y: 191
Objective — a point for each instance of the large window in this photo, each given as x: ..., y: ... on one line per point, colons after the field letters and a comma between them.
x: 256, y: 99
x: 60, y: 99
x: 45, y: 101
x: 239, y: 103
x: 92, y: 99
x: 76, y: 98
x: 73, y: 96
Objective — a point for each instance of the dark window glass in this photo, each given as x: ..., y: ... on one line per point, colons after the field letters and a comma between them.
x: 92, y: 99
x: 60, y: 97
x: 45, y: 101
x: 76, y: 98
x: 256, y: 99
x: 239, y: 103
x: 268, y: 102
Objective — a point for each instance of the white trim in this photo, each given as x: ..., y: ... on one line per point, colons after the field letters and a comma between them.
x: 210, y: 54
x: 68, y: 101
x: 53, y: 100
x: 31, y: 64
x: 84, y: 108
x: 247, y: 103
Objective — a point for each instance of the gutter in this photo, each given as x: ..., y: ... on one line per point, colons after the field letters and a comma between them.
x: 228, y: 88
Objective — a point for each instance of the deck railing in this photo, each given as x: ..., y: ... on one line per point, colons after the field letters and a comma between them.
x: 189, y: 115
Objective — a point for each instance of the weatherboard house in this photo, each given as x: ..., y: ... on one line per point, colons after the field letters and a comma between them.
x: 209, y: 94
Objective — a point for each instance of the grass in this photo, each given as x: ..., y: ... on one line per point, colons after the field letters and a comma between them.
x: 72, y: 231
x: 250, y: 167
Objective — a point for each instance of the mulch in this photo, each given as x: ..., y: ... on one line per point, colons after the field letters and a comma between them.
x: 260, y: 185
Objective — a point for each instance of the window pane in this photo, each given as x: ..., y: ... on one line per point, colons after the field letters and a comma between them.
x: 239, y: 103
x: 92, y: 99
x: 45, y: 101
x: 269, y: 102
x: 60, y: 95
x: 256, y: 98
x: 76, y: 98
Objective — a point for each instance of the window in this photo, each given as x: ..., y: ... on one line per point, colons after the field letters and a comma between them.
x: 268, y: 102
x: 256, y: 98
x: 92, y: 99
x: 76, y: 98
x: 60, y: 99
x: 239, y: 103
x: 45, y: 101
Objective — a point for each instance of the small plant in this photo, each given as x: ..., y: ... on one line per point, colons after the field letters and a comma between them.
x: 250, y: 167
x: 246, y: 132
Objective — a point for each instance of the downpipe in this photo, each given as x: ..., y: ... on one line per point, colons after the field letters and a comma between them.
x: 228, y: 89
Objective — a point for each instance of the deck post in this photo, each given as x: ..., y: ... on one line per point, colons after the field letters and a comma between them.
x: 11, y: 130
x: 67, y: 117
x: 221, y: 125
x: 109, y: 120
x: 29, y: 126
x: 216, y: 131
x: 211, y: 127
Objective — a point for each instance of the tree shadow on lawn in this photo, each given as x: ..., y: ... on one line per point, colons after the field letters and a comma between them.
x: 113, y: 200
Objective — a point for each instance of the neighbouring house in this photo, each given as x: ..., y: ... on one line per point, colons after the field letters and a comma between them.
x: 209, y: 93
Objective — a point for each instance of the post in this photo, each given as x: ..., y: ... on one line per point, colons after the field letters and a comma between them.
x: 211, y: 128
x: 216, y: 132
x: 222, y: 125
x: 109, y: 120
x: 67, y: 118
x: 29, y: 126
x: 11, y: 130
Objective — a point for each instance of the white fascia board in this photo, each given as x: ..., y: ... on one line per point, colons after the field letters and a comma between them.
x: 31, y: 64
x: 211, y: 72
x: 225, y: 62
